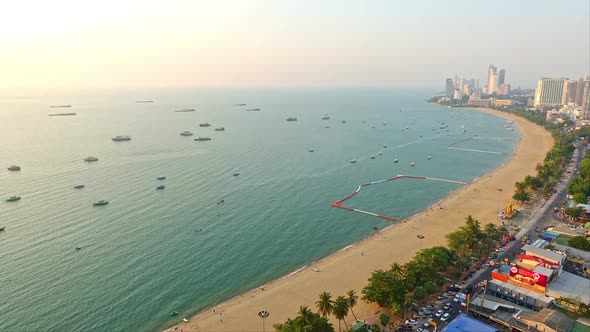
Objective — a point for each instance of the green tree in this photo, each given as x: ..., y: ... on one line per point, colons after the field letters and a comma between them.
x: 305, y: 316
x: 341, y: 310
x: 521, y: 195
x: 313, y: 323
x: 384, y: 288
x: 574, y: 212
x: 579, y: 242
x: 384, y: 320
x: 375, y: 328
x: 534, y: 183
x: 585, y: 168
x: 325, y: 304
x: 580, y: 198
x: 550, y: 246
x: 352, y: 299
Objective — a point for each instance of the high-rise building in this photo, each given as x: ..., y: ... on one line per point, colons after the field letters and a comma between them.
x: 501, y: 76
x: 586, y: 100
x: 492, y: 71
x: 503, y: 89
x: 457, y: 94
x: 549, y: 92
x: 466, y: 89
x: 455, y: 81
x: 449, y: 88
x: 579, y: 91
x: 477, y: 84
x: 492, y: 83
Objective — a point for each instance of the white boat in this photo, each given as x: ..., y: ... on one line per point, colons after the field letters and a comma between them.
x: 384, y: 145
x: 91, y: 158
x: 326, y: 117
x: 413, y: 164
x: 380, y: 153
x: 14, y: 168
x: 186, y: 133
x: 395, y: 160
x: 236, y: 173
x: 429, y: 157
x: 120, y: 138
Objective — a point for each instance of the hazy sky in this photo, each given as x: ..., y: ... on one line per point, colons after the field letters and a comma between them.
x: 218, y: 43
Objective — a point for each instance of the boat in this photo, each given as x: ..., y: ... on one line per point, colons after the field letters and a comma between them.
x: 240, y: 105
x: 380, y: 153
x: 291, y: 119
x: 185, y: 320
x: 510, y: 129
x: 221, y: 201
x: 62, y: 114
x: 343, y: 121
x: 236, y: 173
x: 429, y: 157
x: 120, y: 138
x: 185, y: 110
x: 220, y: 129
x: 326, y: 117
x: 161, y: 178
x: 100, y: 203
x: 372, y: 157
x: 253, y: 110
x: 354, y: 161
x: 91, y: 158
x: 311, y: 150
x: 186, y: 133
x: 13, y: 199
x: 202, y: 139
x: 206, y: 124
x: 60, y: 106
x: 14, y: 168
x: 395, y: 160
x: 384, y: 145
x: 174, y: 313
x: 144, y: 101
x: 160, y: 187
x: 79, y: 186
x: 413, y: 164
x: 2, y: 228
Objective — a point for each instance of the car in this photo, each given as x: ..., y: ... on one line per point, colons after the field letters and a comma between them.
x: 499, y: 249
x: 445, y: 317
x: 446, y: 306
x: 456, y: 299
x: 412, y: 322
x: 442, y: 297
x: 419, y: 329
x: 427, y: 323
x: 439, y: 313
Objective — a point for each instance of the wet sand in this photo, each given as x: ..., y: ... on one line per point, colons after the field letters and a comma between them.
x: 351, y: 267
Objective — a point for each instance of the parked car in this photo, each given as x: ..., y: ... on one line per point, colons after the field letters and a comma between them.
x: 445, y: 317
x: 446, y: 307
x: 412, y: 322
x: 439, y: 313
x: 442, y: 297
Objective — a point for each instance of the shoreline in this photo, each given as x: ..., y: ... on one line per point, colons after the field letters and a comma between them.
x: 282, y: 296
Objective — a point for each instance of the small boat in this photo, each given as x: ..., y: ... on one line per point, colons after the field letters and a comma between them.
x: 161, y: 177
x: 395, y: 160
x: 380, y: 153
x: 144, y: 101
x: 206, y: 124
x: 291, y: 119
x: 186, y: 133
x: 185, y: 110
x: 121, y: 138
x: 14, y: 168
x: 354, y: 161
x: 375, y: 228
x: 60, y: 106
x: 91, y: 158
x: 62, y: 114
x: 198, y: 229
x: 413, y: 164
x: 311, y: 150
x: 343, y: 121
x: 174, y: 313
x: 236, y: 173
x: 202, y: 139
x: 160, y: 187
x: 326, y: 126
x: 13, y: 199
x: 78, y: 248
x: 220, y: 129
x: 326, y: 117
x: 372, y: 157
x: 253, y: 110
x: 101, y: 202
x: 221, y: 201
x: 2, y: 228
x: 429, y: 157
x: 316, y: 270
x: 79, y: 186
x: 185, y: 320
x: 384, y: 145
x: 240, y: 105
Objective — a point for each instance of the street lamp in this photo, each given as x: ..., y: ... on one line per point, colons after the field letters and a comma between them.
x: 263, y: 314
x: 498, y: 199
x: 420, y: 237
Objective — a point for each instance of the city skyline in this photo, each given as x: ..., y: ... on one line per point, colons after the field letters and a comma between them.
x: 69, y: 45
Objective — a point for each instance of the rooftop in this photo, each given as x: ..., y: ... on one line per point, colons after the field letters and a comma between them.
x: 543, y: 253
x: 543, y: 270
x: 464, y: 323
x: 570, y: 285
x: 549, y: 317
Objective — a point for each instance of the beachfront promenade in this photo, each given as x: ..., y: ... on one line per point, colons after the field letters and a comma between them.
x: 350, y: 268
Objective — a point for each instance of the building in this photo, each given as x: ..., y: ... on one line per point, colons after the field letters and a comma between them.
x: 467, y: 89
x: 477, y: 101
x: 503, y: 89
x: 492, y: 73
x: 549, y: 92
x: 579, y: 91
x: 449, y: 88
x: 547, y: 320
x: 571, y: 286
x: 585, y: 110
x: 457, y: 94
x: 501, y: 76
x: 500, y: 102
x: 465, y: 323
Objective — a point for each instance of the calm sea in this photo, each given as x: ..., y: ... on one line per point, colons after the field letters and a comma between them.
x: 142, y: 255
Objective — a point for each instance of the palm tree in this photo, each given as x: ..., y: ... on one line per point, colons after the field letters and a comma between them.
x: 341, y: 310
x: 325, y: 304
x: 305, y: 315
x: 352, y: 301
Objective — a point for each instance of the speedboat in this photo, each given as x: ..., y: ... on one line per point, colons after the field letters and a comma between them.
x: 79, y: 186
x: 291, y: 119
x: 101, y: 202
x: 161, y: 178
x: 372, y: 157
x: 186, y: 133
x: 160, y: 187
x: 311, y: 150
x: 253, y: 110
x: 236, y: 173
x: 14, y: 168
x: 429, y: 157
x: 326, y: 117
x: 354, y: 161
x: 185, y: 110
x: 201, y: 139
x: 413, y: 164
x: 91, y: 158
x: 174, y: 313
x: 384, y: 145
x: 380, y: 153
x: 120, y: 138
x: 206, y: 124
x: 13, y: 199
x: 395, y: 160
x: 220, y: 129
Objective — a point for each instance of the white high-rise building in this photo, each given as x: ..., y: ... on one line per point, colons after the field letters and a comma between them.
x: 549, y: 92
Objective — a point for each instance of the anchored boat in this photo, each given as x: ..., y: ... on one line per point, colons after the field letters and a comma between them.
x: 101, y: 202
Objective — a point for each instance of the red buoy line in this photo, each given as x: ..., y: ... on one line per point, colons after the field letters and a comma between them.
x: 340, y: 206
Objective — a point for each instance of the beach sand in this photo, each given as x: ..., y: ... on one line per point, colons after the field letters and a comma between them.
x: 350, y: 268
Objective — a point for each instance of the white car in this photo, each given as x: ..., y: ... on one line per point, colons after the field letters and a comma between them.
x: 445, y: 317
x: 412, y: 322
x: 439, y: 313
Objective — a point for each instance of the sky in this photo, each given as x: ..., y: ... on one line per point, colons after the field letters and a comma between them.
x: 118, y: 44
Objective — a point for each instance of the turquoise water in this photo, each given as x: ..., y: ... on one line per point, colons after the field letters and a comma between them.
x: 141, y: 255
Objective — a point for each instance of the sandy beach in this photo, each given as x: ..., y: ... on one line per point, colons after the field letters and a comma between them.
x: 351, y: 267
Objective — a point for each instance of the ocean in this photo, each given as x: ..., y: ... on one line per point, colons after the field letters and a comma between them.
x: 149, y: 252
